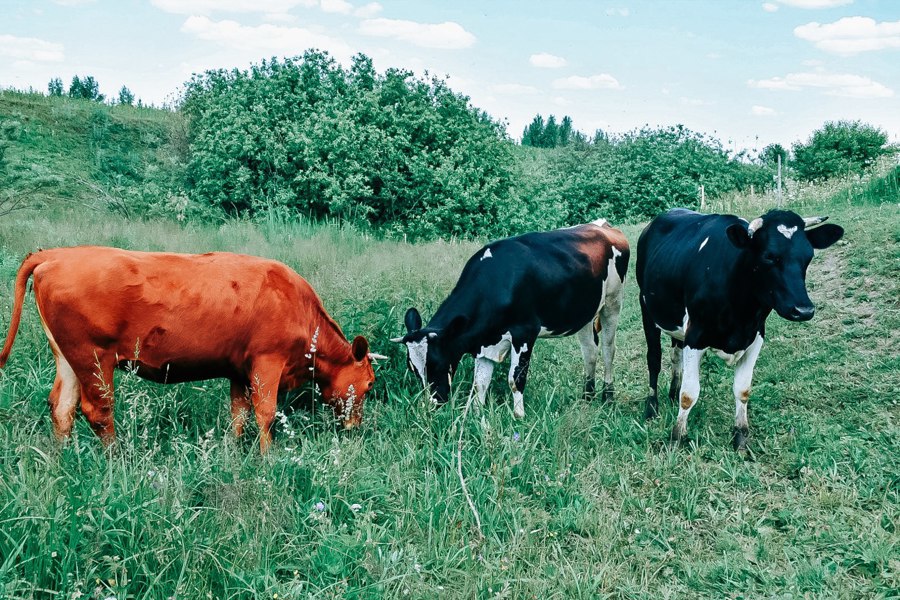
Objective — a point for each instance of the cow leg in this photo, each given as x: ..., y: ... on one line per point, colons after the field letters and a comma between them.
x: 97, y: 398
x: 690, y: 390
x: 743, y: 377
x: 654, y: 360
x: 519, y: 360
x: 240, y: 406
x: 675, y: 384
x: 264, y: 380
x: 64, y: 397
x: 484, y: 369
x: 609, y: 323
x: 587, y: 337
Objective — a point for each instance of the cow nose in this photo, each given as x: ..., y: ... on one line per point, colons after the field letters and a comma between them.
x: 803, y: 313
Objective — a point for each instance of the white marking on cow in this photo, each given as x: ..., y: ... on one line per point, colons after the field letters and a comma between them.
x: 743, y: 377
x: 610, y: 307
x: 704, y: 243
x: 681, y: 331
x: 729, y: 358
x: 600, y: 222
x: 754, y: 226
x: 487, y: 254
x: 787, y: 232
x: 547, y: 333
x: 497, y: 352
x: 63, y: 414
x: 690, y: 387
x: 484, y: 368
x: 418, y: 355
x: 518, y: 399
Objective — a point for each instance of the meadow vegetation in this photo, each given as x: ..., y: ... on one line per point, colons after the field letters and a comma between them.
x: 579, y: 500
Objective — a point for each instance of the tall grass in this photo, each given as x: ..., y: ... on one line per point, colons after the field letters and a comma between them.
x: 579, y: 500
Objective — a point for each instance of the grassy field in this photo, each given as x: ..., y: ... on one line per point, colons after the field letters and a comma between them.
x: 580, y: 500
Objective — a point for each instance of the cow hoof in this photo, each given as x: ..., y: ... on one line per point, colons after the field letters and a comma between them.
x: 608, y: 392
x: 651, y: 409
x: 739, y: 440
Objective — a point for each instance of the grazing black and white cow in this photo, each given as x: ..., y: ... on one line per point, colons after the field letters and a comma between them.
x: 515, y: 290
x: 710, y: 281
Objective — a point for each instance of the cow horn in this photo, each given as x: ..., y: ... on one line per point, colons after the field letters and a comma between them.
x: 398, y: 340
x: 810, y: 222
x: 754, y: 226
x: 375, y: 356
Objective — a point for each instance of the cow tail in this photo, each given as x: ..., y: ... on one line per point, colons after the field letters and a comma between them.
x: 28, y: 266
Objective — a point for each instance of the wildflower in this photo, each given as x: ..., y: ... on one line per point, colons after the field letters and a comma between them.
x: 355, y: 507
x: 320, y: 506
x: 516, y: 436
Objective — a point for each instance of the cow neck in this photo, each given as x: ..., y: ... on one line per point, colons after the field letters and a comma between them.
x: 326, y: 337
x: 746, y: 307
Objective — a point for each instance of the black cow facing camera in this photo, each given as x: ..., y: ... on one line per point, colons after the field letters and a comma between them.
x: 710, y: 282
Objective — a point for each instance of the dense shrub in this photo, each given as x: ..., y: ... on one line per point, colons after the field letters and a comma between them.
x: 839, y: 148
x: 630, y: 177
x: 404, y: 153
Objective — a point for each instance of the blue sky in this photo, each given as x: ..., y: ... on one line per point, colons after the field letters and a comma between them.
x: 748, y: 72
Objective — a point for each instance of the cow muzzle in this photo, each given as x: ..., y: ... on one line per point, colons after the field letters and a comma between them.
x: 801, y: 313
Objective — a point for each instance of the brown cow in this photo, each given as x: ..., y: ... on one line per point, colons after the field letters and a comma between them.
x: 186, y: 317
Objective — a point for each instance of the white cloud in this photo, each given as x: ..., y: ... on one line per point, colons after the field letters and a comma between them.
x: 367, y: 11
x: 30, y: 49
x: 694, y: 101
x: 851, y: 35
x: 560, y: 101
x: 337, y: 6
x: 447, y: 35
x: 547, y: 61
x: 845, y: 85
x: 514, y: 89
x: 207, y: 7
x: 815, y: 4
x: 617, y: 12
x: 769, y: 6
x: 263, y: 39
x: 762, y: 111
x: 594, y: 82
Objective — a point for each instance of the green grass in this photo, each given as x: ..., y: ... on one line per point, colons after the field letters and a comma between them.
x: 586, y: 501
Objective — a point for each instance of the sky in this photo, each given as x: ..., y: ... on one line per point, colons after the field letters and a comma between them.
x: 748, y: 72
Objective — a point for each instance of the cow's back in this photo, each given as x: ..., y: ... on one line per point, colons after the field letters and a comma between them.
x: 167, y: 308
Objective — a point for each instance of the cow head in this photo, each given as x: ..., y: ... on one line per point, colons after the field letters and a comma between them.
x: 780, y: 246
x: 429, y: 353
x: 348, y: 384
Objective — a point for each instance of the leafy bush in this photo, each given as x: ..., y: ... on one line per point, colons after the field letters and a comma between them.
x: 631, y: 177
x: 839, y: 148
x: 402, y: 153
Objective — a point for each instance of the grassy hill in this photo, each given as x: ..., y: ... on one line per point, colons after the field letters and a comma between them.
x: 62, y: 152
x: 579, y: 500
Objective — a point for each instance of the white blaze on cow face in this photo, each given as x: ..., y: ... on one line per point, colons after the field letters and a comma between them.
x: 704, y: 243
x: 487, y: 254
x: 418, y: 355
x: 787, y: 232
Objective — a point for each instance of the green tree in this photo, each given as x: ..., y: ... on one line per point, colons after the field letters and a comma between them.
x: 839, y: 148
x: 770, y: 154
x: 550, y: 135
x: 55, y: 87
x: 534, y: 132
x: 126, y: 96
x: 85, y: 88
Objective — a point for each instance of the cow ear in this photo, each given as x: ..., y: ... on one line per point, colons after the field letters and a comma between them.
x: 359, y: 348
x: 824, y: 235
x: 413, y: 320
x: 737, y: 235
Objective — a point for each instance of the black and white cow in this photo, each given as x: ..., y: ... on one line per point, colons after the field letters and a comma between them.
x: 515, y: 290
x: 710, y: 282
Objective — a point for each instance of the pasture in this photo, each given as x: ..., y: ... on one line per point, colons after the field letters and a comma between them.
x: 579, y: 500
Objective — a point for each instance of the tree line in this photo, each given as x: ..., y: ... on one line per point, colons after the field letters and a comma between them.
x: 405, y: 154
